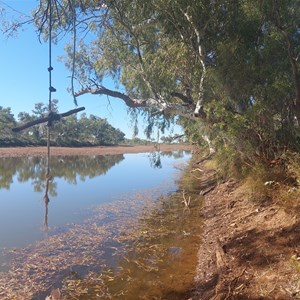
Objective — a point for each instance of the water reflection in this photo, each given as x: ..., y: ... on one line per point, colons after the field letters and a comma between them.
x: 80, y: 248
x: 69, y: 168
x: 46, y: 199
x: 32, y: 199
x: 155, y: 157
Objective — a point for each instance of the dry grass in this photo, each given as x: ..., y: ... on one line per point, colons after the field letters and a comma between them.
x: 258, y: 234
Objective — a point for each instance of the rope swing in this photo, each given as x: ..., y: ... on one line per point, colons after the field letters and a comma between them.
x: 53, y: 116
x: 51, y: 88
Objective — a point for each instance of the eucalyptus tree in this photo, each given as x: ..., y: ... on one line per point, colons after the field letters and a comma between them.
x: 257, y: 80
x: 282, y: 21
x: 229, y: 68
x: 7, y: 121
x: 66, y: 132
x: 142, y: 45
x: 35, y: 134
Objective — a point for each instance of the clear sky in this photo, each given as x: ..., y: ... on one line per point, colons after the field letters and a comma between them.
x: 24, y: 79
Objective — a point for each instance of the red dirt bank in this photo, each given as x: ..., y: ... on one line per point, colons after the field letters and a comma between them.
x: 250, y: 248
x: 103, y: 150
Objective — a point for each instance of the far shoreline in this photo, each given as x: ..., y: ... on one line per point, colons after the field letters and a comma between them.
x: 88, y: 151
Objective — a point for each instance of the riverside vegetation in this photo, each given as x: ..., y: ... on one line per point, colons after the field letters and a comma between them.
x: 250, y: 246
x: 228, y: 72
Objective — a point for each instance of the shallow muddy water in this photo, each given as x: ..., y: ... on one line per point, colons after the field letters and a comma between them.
x: 103, y: 228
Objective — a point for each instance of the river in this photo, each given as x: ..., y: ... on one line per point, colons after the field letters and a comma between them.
x: 87, y: 228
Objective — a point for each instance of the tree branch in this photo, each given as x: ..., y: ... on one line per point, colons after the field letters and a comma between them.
x: 50, y: 118
x: 201, y: 53
x: 186, y: 111
x: 182, y: 97
x: 130, y: 102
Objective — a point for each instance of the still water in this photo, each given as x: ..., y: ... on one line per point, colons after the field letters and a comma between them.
x: 100, y: 227
x: 77, y: 185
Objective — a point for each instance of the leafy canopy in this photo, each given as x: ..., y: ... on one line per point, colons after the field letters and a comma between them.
x: 226, y: 69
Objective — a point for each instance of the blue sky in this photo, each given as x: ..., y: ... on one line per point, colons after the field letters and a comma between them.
x: 24, y: 78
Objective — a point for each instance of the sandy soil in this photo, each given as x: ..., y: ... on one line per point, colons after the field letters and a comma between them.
x: 62, y: 151
x: 250, y: 248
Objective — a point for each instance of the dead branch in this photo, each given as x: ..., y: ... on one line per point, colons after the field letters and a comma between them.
x: 233, y: 283
x: 50, y: 118
x: 197, y: 169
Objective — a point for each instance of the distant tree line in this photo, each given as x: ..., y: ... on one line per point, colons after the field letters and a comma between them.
x: 70, y: 131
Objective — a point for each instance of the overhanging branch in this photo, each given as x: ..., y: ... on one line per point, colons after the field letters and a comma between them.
x: 130, y: 102
x: 186, y: 111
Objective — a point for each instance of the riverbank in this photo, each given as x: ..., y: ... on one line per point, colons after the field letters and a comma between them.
x: 240, y: 244
x: 250, y: 246
x: 102, y: 150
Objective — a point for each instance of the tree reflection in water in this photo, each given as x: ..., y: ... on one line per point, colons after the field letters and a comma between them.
x: 69, y: 259
x: 69, y: 168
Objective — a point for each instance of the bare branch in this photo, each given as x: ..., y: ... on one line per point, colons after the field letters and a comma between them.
x: 186, y: 111
x: 50, y: 118
x: 130, y: 102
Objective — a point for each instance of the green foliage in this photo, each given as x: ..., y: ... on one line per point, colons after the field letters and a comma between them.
x: 70, y: 131
x: 7, y: 122
x: 238, y: 59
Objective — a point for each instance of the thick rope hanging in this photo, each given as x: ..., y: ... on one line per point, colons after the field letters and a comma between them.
x: 74, y: 51
x: 50, y: 68
x: 53, y: 116
x: 51, y: 88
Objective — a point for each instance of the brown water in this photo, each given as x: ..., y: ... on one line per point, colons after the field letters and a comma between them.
x: 152, y: 257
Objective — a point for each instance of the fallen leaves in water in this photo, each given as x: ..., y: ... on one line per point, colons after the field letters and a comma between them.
x: 111, y: 254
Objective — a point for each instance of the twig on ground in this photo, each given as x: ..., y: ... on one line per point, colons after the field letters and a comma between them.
x: 185, y: 201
